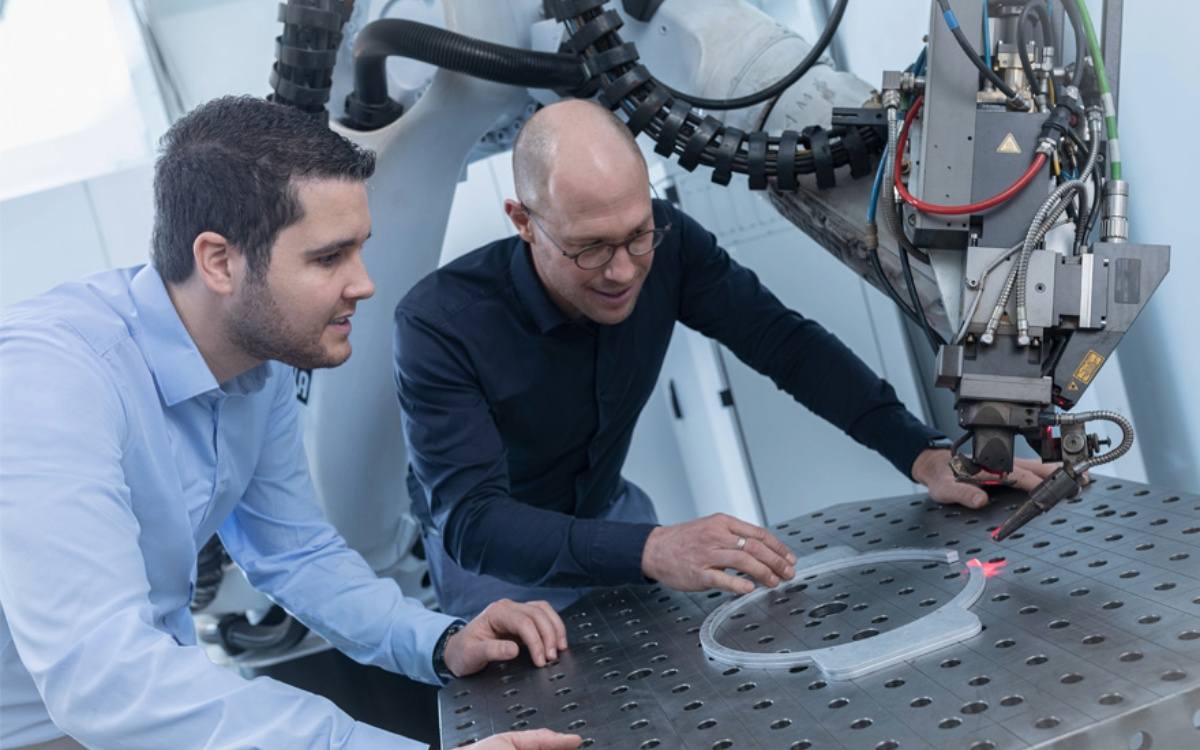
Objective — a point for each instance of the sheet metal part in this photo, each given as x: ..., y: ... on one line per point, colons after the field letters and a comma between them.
x: 1091, y: 640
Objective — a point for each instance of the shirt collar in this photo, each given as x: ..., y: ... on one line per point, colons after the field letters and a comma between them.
x: 179, y: 369
x: 532, y: 293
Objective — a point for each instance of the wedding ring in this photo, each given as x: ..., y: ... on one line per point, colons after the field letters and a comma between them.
x: 741, y: 542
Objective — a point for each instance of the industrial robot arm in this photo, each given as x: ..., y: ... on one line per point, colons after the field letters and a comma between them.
x: 992, y: 164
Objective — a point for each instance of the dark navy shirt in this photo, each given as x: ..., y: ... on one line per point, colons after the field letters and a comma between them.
x: 518, y: 420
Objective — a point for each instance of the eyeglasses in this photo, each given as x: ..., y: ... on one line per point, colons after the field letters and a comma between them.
x: 597, y: 256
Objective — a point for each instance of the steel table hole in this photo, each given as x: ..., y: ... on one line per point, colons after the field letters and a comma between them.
x: 765, y: 703
x: 649, y: 745
x: 1071, y: 678
x: 950, y: 723
x: 825, y: 610
x: 693, y: 705
x: 462, y: 694
x: 1115, y: 604
x: 879, y: 619
x: 839, y: 703
x: 518, y: 725
x: 1028, y: 610
x: 634, y: 704
x: 1059, y: 624
x: 979, y: 681
x: 920, y: 702
x: 640, y: 724
x: 683, y: 688
x: 1009, y: 701
x: 707, y: 724
x: 1037, y: 659
x: 817, y: 685
x: 745, y: 686
x: 950, y: 663
x: 1149, y: 619
x: 466, y: 725
x: 510, y: 692
x: 862, y: 723
x: 888, y: 745
x: 1111, y: 699
x: 1005, y: 643
x: 801, y: 745
x: 722, y: 744
x: 975, y: 707
x: 1189, y: 635
x: 894, y: 683
x: 463, y: 709
x: 983, y: 745
x: 562, y: 691
x: 1174, y: 675
x: 1080, y: 591
x: 1047, y: 722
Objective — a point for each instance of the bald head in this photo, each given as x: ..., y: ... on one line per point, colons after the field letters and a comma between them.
x: 571, y: 140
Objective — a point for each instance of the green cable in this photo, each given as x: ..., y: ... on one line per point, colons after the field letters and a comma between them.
x: 1110, y: 109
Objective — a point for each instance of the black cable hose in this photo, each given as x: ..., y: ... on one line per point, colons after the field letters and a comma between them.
x: 974, y: 57
x: 1032, y: 8
x: 461, y: 54
x: 1072, y: 12
x: 783, y: 84
x: 886, y: 283
x: 692, y: 123
x: 302, y: 75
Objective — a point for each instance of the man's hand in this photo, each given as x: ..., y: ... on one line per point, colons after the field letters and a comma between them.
x: 494, y: 636
x: 932, y: 469
x: 693, y: 556
x: 538, y: 739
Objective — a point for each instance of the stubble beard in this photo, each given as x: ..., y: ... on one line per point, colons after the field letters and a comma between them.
x: 260, y: 329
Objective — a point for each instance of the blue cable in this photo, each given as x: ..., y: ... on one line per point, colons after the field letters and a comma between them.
x: 987, y: 41
x: 876, y: 187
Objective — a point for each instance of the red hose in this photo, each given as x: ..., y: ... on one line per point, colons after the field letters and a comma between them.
x: 971, y: 208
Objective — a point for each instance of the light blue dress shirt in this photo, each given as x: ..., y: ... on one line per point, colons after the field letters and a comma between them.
x: 120, y: 455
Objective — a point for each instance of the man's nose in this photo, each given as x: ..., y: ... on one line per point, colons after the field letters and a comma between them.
x: 360, y: 285
x: 622, y: 268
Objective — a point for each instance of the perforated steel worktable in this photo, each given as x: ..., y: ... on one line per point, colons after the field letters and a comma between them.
x: 1091, y: 640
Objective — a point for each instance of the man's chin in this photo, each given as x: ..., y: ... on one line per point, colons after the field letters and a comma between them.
x: 323, y: 360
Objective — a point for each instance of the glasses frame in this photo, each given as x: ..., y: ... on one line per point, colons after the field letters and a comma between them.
x: 658, y: 234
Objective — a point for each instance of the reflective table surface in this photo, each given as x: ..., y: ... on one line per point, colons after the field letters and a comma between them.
x: 1091, y: 639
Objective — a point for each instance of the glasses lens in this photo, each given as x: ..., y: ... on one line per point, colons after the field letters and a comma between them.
x: 594, y: 257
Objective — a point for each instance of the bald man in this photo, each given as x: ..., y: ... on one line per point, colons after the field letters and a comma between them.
x: 522, y: 367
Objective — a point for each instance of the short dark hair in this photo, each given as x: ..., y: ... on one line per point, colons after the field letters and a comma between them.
x: 230, y: 166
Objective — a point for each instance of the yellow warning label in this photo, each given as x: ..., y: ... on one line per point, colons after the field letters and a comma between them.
x: 1072, y: 386
x: 1009, y: 145
x: 1089, y: 366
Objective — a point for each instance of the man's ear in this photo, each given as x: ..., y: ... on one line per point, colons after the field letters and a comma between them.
x: 218, y: 263
x: 520, y: 219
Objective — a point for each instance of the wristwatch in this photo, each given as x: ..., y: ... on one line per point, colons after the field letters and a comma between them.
x: 439, y: 652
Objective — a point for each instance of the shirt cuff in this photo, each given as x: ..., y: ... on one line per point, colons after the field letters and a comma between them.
x: 616, y: 551
x: 898, y: 436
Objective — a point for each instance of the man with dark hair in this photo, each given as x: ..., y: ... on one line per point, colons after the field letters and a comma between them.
x: 146, y: 409
x: 522, y: 367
